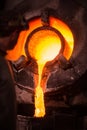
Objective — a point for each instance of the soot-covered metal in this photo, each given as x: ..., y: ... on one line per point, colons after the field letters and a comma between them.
x: 66, y: 86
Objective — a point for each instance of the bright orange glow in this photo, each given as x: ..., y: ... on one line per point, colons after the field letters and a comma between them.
x: 66, y: 33
x: 33, y: 24
x: 44, y: 46
x: 19, y: 49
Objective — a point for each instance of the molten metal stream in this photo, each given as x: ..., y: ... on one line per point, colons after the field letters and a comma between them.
x: 39, y: 96
x: 44, y: 46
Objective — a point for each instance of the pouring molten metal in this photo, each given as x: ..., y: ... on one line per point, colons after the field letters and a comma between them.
x: 43, y: 46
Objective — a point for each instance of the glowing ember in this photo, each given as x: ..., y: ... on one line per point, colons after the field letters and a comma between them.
x: 44, y: 46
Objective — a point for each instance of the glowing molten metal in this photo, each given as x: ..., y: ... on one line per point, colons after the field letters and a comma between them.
x: 43, y: 46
